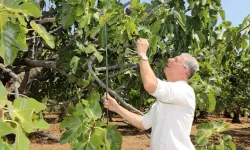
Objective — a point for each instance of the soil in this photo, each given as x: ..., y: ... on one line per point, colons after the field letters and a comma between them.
x: 134, y: 139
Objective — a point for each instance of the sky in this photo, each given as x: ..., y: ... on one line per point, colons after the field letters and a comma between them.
x: 235, y: 10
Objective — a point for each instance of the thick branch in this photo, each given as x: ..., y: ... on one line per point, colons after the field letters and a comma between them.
x: 41, y: 63
x: 155, y: 9
x: 10, y: 85
x: 15, y: 78
x: 119, y: 98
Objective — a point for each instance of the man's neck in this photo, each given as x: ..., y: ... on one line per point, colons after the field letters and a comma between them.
x: 179, y: 79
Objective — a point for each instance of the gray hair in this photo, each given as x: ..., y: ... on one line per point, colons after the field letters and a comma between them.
x: 191, y: 63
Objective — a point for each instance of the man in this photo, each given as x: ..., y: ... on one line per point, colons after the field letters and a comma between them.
x: 171, y: 116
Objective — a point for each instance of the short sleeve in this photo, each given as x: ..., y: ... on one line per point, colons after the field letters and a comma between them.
x: 162, y: 90
x: 148, y: 118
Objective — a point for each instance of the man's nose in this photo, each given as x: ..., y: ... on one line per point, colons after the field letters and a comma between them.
x: 170, y: 59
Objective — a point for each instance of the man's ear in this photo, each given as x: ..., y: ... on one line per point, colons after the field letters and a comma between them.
x: 187, y: 72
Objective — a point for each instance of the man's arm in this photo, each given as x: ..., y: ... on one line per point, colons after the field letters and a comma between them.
x: 147, y: 75
x: 111, y: 104
x: 132, y: 118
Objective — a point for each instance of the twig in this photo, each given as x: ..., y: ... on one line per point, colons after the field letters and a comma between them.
x: 118, y: 97
x: 19, y: 95
x: 47, y: 20
x: 154, y: 10
x: 119, y: 72
x: 53, y: 31
x: 48, y: 135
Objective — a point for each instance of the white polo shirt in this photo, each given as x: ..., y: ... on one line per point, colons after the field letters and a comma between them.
x: 171, y: 116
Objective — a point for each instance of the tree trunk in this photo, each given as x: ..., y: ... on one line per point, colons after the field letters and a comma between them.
x: 236, y: 118
x: 227, y: 114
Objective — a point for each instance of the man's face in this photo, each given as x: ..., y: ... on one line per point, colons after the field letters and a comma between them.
x: 175, y: 68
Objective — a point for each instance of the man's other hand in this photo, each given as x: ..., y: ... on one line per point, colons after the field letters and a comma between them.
x: 110, y: 103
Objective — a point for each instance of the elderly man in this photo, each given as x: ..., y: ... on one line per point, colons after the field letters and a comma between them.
x: 171, y: 116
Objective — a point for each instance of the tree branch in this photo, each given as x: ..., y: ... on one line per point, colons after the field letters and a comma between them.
x: 154, y: 10
x: 119, y: 98
x: 121, y: 71
x: 47, y: 20
x: 19, y: 95
x: 126, y: 4
x: 41, y: 63
x: 48, y: 135
x: 15, y: 78
x: 118, y: 65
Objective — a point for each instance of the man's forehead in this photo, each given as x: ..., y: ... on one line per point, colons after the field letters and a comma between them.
x: 181, y: 57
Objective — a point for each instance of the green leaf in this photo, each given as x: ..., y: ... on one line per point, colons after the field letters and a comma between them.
x: 21, y: 20
x: 114, y: 137
x: 4, y: 129
x: 95, y: 31
x: 89, y: 49
x: 70, y: 134
x: 21, y: 141
x: 211, y: 101
x: 30, y: 103
x: 95, y: 138
x: 74, y: 64
x: 71, y: 121
x: 4, y: 17
x: 67, y: 16
x: 156, y: 27
x: 4, y: 146
x: 49, y: 39
x: 222, y: 14
x: 12, y: 39
x: 102, y: 38
x: 32, y: 9
x: 41, y: 124
x: 20, y: 6
x: 79, y: 10
x: 106, y: 17
x: 204, y: 2
x: 232, y: 145
x: 3, y: 92
x: 179, y: 18
x: 98, y: 56
x: 25, y: 117
x: 85, y: 20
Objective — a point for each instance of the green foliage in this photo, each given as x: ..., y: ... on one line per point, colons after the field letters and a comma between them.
x: 19, y: 118
x: 209, y: 137
x: 12, y: 40
x: 85, y: 130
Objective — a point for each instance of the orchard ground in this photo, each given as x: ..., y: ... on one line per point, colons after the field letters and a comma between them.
x: 134, y: 139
